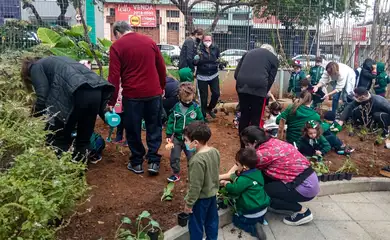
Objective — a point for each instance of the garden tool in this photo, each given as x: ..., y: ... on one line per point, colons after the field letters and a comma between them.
x: 113, y: 120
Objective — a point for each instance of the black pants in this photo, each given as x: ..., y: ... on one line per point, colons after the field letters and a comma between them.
x: 134, y: 111
x: 380, y: 118
x: 169, y: 103
x: 251, y: 108
x: 87, y: 103
x: 283, y: 198
x: 120, y: 129
x: 203, y: 87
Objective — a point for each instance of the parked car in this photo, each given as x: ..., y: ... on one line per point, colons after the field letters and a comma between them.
x: 232, y: 56
x: 330, y: 57
x: 172, y: 51
x: 305, y: 59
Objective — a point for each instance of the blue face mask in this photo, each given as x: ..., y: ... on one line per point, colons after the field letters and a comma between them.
x: 190, y: 149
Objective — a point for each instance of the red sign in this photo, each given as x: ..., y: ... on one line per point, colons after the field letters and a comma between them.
x: 359, y: 34
x: 138, y: 15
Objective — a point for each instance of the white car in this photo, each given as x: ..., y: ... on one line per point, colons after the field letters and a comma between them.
x: 171, y: 50
x: 232, y: 56
x: 305, y: 60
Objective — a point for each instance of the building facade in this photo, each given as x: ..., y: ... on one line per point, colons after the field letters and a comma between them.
x: 9, y: 9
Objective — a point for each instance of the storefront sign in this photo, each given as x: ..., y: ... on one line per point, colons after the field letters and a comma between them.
x: 138, y: 15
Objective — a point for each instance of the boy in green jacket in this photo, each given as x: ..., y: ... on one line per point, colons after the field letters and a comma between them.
x: 316, y: 71
x: 381, y: 80
x: 247, y: 188
x: 294, y: 85
x: 203, y: 182
x: 183, y: 113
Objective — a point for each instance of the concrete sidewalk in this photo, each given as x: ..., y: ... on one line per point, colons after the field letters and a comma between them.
x: 354, y: 216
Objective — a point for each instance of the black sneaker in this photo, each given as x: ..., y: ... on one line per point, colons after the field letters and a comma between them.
x: 212, y: 114
x: 174, y: 178
x: 297, y: 219
x: 153, y: 168
x: 136, y: 169
x: 385, y: 171
x: 95, y: 158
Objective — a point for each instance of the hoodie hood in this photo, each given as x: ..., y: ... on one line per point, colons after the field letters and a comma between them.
x: 380, y: 67
x: 368, y: 64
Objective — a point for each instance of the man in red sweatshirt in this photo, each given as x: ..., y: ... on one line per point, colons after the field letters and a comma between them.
x: 136, y: 62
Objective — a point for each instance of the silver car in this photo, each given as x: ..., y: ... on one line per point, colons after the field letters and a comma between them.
x: 232, y: 56
x: 172, y: 51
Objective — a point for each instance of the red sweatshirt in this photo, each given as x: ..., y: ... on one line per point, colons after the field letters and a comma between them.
x: 136, y: 60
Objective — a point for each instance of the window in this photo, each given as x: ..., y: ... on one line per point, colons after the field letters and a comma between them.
x: 240, y: 16
x: 164, y: 47
x: 112, y: 12
x: 173, y: 26
x: 173, y: 14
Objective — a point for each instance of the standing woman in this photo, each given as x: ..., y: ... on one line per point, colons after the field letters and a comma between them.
x: 344, y: 79
x: 71, y: 95
x: 255, y: 75
x: 207, y: 74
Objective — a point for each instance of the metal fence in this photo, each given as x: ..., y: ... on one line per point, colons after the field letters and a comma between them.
x: 297, y: 33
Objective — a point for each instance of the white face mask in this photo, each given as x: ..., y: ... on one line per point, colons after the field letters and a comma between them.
x: 207, y: 44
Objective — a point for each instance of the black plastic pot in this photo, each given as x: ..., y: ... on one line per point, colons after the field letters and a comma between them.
x: 221, y: 204
x: 324, y: 178
x: 330, y: 177
x: 340, y: 176
x: 319, y: 178
x: 182, y: 219
x: 153, y: 234
x: 348, y: 176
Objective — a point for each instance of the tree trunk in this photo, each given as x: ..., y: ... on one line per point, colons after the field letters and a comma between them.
x: 214, y: 24
x: 189, y: 24
x: 63, y: 4
x: 27, y: 4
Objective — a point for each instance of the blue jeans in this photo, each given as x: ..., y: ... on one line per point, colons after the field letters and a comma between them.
x: 204, y: 214
x: 335, y: 101
x: 134, y: 111
x: 333, y: 140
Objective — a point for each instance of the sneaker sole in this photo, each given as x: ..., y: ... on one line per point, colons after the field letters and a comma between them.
x: 95, y: 161
x: 169, y: 180
x: 384, y: 173
x: 153, y: 172
x: 135, y: 171
x: 300, y: 222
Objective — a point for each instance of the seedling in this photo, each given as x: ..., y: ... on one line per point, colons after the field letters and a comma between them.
x: 319, y: 167
x: 142, y: 232
x: 348, y: 167
x: 224, y: 200
x: 350, y: 129
x: 168, y: 194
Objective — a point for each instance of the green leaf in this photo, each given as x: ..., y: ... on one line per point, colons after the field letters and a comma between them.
x: 129, y: 238
x: 126, y: 220
x: 170, y: 186
x: 144, y: 214
x: 154, y: 223
x: 77, y: 30
x: 67, y: 52
x: 84, y: 45
x: 105, y: 42
x: 65, y: 42
x: 48, y: 36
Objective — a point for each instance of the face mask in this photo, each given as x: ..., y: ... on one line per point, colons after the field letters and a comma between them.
x: 190, y: 149
x: 207, y: 44
x: 186, y: 104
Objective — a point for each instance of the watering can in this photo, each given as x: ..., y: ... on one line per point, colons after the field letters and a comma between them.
x: 113, y: 120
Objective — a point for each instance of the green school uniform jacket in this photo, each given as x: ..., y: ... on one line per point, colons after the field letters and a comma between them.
x: 248, y: 188
x: 308, y: 146
x: 297, y: 121
x: 381, y: 79
x: 294, y: 84
x: 177, y: 120
x: 334, y: 127
x: 316, y: 73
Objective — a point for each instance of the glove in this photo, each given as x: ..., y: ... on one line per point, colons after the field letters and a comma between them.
x: 196, y: 58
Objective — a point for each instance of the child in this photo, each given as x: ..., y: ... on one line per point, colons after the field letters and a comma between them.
x: 313, y: 143
x: 237, y: 116
x: 317, y: 97
x: 316, y: 71
x: 183, y: 113
x: 248, y: 189
x: 294, y: 85
x: 270, y: 115
x: 331, y: 128
x: 381, y: 80
x: 120, y: 128
x: 186, y: 75
x: 203, y: 182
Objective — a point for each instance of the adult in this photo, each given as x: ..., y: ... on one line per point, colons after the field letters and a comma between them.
x: 136, y: 62
x: 368, y: 109
x: 343, y: 81
x: 254, y: 76
x: 72, y: 95
x: 171, y: 94
x: 188, y: 50
x: 207, y: 75
x: 289, y: 178
x: 366, y: 76
x: 297, y: 115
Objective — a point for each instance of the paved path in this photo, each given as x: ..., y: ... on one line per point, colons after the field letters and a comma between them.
x: 355, y: 216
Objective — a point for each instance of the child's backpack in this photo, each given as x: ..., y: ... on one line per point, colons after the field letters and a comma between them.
x: 97, y: 144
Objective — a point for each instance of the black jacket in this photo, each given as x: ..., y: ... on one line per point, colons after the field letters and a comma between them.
x: 378, y: 104
x: 366, y: 76
x: 207, y: 64
x: 56, y: 79
x: 187, y: 54
x: 256, y: 72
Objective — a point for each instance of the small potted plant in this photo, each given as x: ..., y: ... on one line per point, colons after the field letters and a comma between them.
x: 350, y: 129
x: 182, y: 219
x: 222, y: 199
x: 321, y: 170
x: 349, y: 169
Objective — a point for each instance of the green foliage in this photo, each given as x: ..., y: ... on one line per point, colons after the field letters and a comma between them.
x: 17, y: 35
x: 227, y: 200
x: 124, y: 233
x: 174, y: 73
x: 167, y: 59
x: 168, y: 194
x: 348, y: 167
x: 319, y: 167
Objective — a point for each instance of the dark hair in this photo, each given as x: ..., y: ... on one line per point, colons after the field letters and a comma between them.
x: 304, y: 99
x: 360, y: 91
x: 247, y: 157
x: 199, y: 131
x: 198, y: 31
x: 333, y: 68
x: 25, y: 71
x: 120, y: 27
x: 309, y: 126
x: 305, y: 82
x: 275, y: 106
x: 254, y: 135
x: 318, y: 59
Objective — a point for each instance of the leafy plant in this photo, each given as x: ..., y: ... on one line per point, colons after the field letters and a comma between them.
x: 349, y: 128
x: 348, y: 167
x: 363, y: 132
x: 223, y: 196
x: 141, y: 229
x: 168, y: 194
x: 319, y: 167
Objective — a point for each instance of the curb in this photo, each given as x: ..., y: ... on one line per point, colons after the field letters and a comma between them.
x: 361, y: 184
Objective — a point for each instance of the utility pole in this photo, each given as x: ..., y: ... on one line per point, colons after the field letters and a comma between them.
x: 334, y: 28
x: 374, y: 28
x: 318, y: 30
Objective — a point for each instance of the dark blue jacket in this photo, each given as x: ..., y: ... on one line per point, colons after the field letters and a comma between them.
x: 171, y: 88
x: 207, y: 64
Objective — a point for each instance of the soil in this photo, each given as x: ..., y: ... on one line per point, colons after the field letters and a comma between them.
x: 116, y: 192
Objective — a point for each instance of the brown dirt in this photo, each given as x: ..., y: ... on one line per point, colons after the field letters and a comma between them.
x: 117, y: 192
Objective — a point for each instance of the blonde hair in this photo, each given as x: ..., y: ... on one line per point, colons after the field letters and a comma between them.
x: 304, y: 99
x: 333, y: 68
x: 269, y: 48
x: 186, y: 89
